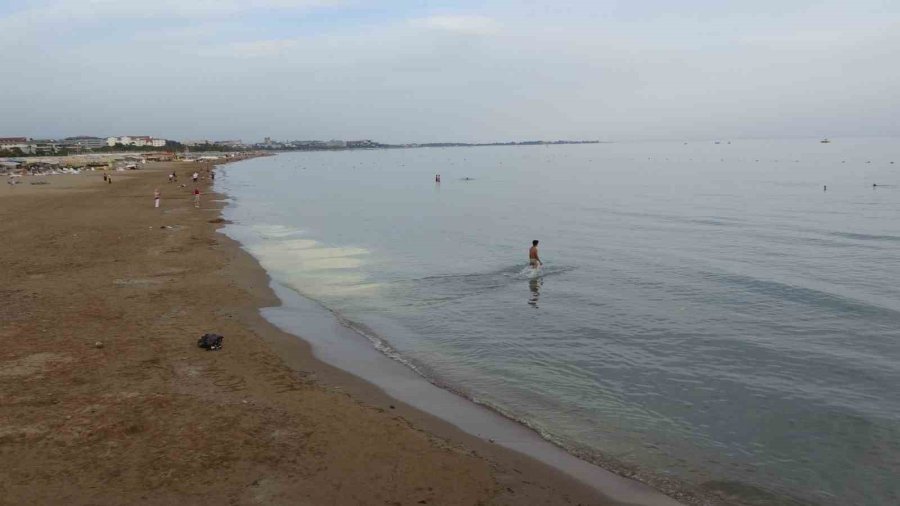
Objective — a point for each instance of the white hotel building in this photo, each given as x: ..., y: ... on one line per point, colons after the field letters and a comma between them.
x: 136, y: 140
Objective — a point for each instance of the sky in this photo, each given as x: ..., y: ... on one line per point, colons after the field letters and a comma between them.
x: 469, y: 71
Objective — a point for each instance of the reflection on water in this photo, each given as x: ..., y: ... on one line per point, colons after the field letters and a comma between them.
x: 534, y: 285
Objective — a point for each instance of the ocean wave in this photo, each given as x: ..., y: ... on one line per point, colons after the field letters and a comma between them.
x: 802, y: 295
x: 444, y: 288
x: 866, y: 237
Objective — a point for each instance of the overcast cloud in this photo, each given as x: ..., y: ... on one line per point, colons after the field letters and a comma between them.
x: 413, y: 71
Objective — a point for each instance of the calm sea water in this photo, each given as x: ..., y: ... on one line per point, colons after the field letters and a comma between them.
x: 707, y: 313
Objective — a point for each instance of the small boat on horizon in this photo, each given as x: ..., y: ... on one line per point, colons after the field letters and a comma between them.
x: 825, y: 141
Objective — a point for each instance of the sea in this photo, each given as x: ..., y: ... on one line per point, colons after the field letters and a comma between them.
x: 724, y: 315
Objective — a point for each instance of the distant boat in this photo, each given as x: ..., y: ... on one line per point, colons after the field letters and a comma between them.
x: 718, y: 142
x: 825, y: 141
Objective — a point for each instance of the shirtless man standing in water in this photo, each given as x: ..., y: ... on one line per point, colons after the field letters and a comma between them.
x: 533, y: 257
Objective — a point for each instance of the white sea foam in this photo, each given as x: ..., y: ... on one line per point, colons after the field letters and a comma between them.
x: 296, y: 244
x: 333, y: 263
x: 330, y: 283
x: 324, y: 277
x: 302, y: 255
x: 313, y: 269
x: 531, y: 272
x: 274, y: 231
x: 363, y: 289
x: 325, y: 253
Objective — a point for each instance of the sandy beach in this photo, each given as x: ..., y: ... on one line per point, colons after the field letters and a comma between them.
x: 106, y: 398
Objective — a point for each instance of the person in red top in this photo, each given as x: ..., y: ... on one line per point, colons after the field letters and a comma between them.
x: 196, y: 197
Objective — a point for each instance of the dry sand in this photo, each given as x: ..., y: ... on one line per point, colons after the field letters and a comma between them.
x: 106, y: 399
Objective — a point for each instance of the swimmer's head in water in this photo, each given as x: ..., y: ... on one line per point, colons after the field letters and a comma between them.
x: 534, y: 242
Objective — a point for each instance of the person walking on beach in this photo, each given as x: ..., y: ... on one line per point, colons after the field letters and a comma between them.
x: 196, y: 197
x: 156, y: 198
x: 196, y: 176
x: 533, y: 257
x: 172, y: 177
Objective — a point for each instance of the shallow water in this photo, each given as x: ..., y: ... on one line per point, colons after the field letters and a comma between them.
x: 706, y: 312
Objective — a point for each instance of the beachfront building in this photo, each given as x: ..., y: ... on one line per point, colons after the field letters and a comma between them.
x: 21, y: 144
x: 10, y: 141
x: 7, y: 142
x: 196, y: 142
x: 136, y: 140
x: 46, y: 147
x: 26, y: 146
x: 84, y: 142
x: 231, y: 143
x: 366, y: 143
x: 308, y: 144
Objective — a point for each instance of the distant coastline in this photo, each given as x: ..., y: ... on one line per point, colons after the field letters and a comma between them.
x: 520, y: 143
x: 329, y: 146
x: 49, y: 148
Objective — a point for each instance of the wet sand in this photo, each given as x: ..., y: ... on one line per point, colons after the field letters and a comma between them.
x: 106, y: 399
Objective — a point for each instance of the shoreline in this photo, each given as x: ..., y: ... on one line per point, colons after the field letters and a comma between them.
x: 107, y: 399
x: 526, y: 448
x: 588, y: 470
x: 297, y: 352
